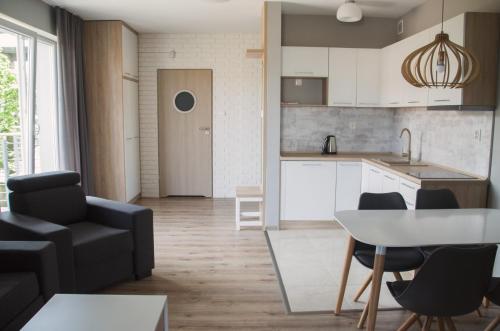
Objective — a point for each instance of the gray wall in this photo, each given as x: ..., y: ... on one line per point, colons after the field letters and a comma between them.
x: 326, y: 31
x: 271, y: 130
x: 33, y: 12
x: 429, y: 13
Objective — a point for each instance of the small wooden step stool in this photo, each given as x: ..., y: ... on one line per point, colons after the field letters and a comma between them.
x: 248, y: 218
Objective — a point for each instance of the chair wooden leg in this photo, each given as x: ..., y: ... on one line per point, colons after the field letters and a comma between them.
x: 363, y: 287
x: 450, y: 324
x: 398, y: 276
x: 364, y: 315
x: 345, y: 274
x: 441, y: 324
x: 478, y: 312
x: 409, y: 322
x: 428, y: 323
x: 493, y: 324
x: 486, y: 303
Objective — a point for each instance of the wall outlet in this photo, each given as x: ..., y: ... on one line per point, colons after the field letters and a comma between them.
x: 478, y: 135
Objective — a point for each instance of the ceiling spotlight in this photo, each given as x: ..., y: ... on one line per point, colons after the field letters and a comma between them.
x: 349, y: 12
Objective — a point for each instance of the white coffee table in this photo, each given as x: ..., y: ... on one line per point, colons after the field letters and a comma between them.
x: 96, y: 312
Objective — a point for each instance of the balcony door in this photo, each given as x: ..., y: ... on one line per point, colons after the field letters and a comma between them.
x: 28, y: 105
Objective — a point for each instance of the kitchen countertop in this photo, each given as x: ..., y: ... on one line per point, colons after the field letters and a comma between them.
x: 371, y: 158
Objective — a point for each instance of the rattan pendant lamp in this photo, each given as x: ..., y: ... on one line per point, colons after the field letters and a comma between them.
x: 442, y: 63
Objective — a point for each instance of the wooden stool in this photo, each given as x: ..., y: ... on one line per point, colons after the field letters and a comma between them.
x: 248, y: 218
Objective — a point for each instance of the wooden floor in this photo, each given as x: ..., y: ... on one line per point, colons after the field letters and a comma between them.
x: 219, y: 279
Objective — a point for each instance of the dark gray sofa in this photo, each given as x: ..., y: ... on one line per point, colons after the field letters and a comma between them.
x: 99, y: 242
x: 28, y: 279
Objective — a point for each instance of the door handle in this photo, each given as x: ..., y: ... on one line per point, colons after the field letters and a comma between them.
x: 205, y: 129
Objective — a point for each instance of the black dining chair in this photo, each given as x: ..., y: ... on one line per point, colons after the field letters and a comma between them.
x: 435, y: 199
x: 397, y: 260
x: 493, y: 295
x: 451, y: 282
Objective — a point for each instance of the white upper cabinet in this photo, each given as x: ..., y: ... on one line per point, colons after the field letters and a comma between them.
x: 413, y: 96
x: 390, y: 76
x: 342, y: 77
x: 304, y: 61
x: 130, y: 53
x: 368, y: 77
x: 455, y: 28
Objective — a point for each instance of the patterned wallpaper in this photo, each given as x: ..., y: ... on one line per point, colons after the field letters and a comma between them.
x: 236, y: 104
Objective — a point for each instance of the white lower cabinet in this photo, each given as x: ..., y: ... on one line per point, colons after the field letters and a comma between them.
x: 348, y: 186
x: 409, y: 192
x: 390, y: 182
x: 308, y: 190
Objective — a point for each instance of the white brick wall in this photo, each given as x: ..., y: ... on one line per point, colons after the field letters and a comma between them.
x: 236, y: 104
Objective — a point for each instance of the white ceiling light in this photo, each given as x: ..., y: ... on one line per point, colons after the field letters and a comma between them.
x: 349, y: 12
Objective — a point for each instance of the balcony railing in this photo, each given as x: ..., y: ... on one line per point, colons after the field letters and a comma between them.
x: 11, y: 162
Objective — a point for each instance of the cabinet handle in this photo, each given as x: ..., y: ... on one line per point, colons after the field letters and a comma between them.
x: 413, y: 101
x: 389, y: 177
x: 304, y: 72
x: 441, y: 100
x: 312, y: 164
x: 393, y: 103
x: 368, y: 103
x: 375, y: 171
x: 408, y: 186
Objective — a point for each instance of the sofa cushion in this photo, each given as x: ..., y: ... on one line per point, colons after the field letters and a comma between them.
x: 17, y: 291
x: 61, y: 205
x: 94, y: 242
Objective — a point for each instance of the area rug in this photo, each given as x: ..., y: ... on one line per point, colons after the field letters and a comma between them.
x: 309, y: 266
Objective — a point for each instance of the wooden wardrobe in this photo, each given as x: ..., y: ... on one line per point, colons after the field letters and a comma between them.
x: 112, y: 102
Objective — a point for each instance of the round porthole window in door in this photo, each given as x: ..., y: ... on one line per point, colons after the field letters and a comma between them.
x: 184, y: 101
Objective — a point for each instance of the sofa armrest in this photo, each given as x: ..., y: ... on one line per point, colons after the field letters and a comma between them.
x: 137, y: 219
x: 32, y: 256
x: 14, y: 226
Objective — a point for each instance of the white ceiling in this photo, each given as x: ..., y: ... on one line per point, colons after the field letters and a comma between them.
x: 214, y: 15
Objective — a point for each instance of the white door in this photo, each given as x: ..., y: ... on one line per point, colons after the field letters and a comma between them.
x: 368, y: 77
x: 308, y: 190
x: 304, y: 61
x: 130, y: 53
x: 348, y: 185
x: 131, y: 108
x: 448, y: 96
x: 132, y: 168
x: 342, y: 77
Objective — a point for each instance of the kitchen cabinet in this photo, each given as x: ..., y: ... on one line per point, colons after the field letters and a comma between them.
x: 390, y: 182
x: 373, y: 179
x: 111, y: 96
x: 348, y: 185
x: 304, y: 61
x: 391, y: 79
x: 368, y: 77
x: 130, y: 61
x: 412, y: 96
x: 409, y: 192
x: 308, y: 190
x: 342, y: 77
x: 448, y: 96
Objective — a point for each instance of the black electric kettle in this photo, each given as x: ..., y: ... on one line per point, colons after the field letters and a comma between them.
x: 330, y: 145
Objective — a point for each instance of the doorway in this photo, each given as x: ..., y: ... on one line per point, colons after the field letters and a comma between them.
x: 185, y: 132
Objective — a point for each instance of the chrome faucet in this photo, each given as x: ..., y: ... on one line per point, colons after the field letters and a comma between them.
x: 409, y: 143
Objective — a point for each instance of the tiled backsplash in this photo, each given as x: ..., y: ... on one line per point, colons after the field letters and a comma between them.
x: 303, y: 129
x: 461, y: 140
x: 458, y: 139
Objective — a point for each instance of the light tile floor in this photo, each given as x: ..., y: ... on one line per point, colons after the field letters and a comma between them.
x: 310, y: 263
